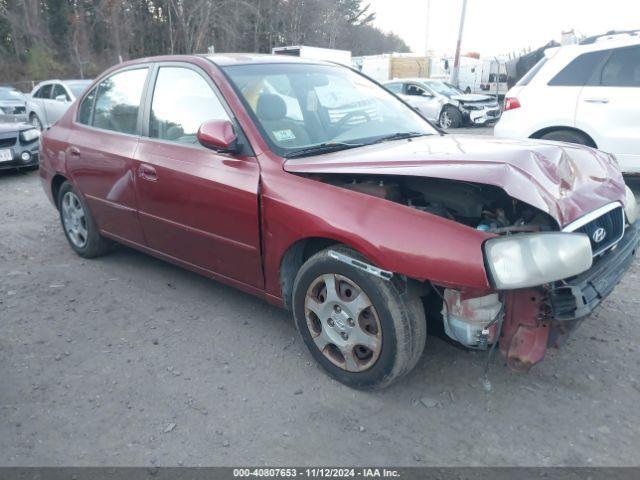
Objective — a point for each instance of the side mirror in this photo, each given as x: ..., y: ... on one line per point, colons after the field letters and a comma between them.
x: 61, y: 98
x: 218, y: 135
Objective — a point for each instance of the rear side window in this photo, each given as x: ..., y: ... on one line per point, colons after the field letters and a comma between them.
x: 580, y: 70
x: 84, y: 112
x: 182, y: 101
x: 118, y: 101
x: 622, y: 69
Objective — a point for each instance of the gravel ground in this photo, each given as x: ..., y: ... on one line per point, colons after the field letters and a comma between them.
x: 126, y: 360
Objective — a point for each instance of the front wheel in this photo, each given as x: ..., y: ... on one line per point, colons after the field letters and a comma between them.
x: 450, y: 118
x: 35, y: 121
x: 366, y: 332
x: 78, y: 224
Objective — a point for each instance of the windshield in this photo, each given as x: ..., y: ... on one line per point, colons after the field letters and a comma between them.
x: 443, y: 88
x: 301, y: 106
x: 10, y: 94
x: 78, y: 88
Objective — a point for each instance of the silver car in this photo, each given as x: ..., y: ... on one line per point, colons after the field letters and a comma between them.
x: 50, y: 100
x: 12, y: 103
x: 444, y: 104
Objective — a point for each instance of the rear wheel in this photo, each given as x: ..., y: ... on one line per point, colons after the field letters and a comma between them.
x: 450, y: 118
x: 570, y: 136
x: 366, y: 332
x: 78, y: 224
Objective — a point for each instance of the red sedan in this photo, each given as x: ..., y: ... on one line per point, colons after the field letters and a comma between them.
x: 311, y: 186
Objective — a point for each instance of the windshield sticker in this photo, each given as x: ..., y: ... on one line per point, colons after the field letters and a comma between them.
x: 284, y: 135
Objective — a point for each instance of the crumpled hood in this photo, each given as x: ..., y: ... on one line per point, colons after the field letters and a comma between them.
x: 472, y: 97
x: 566, y: 181
x: 12, y: 127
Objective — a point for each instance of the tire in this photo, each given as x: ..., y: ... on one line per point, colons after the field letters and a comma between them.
x: 450, y: 117
x: 393, y: 325
x: 79, y: 226
x: 35, y: 121
x: 569, y: 136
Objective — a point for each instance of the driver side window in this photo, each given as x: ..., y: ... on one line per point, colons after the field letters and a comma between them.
x: 415, y: 91
x: 182, y: 101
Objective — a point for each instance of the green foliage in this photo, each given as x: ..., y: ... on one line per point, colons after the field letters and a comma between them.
x: 41, y: 65
x: 67, y: 37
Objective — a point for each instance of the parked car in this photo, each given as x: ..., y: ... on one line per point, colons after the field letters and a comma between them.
x: 50, y: 100
x: 12, y: 102
x: 587, y: 94
x: 445, y: 104
x: 362, y: 230
x: 18, y: 145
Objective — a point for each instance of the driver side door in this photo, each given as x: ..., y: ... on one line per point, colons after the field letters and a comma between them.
x: 418, y: 96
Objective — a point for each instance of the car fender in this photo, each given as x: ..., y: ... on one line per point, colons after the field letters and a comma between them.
x: 392, y: 236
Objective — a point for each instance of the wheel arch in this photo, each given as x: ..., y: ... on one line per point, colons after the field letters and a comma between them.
x: 56, y: 183
x: 543, y: 131
x: 293, y: 259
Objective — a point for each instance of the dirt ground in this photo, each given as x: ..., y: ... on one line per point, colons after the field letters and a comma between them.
x: 126, y: 360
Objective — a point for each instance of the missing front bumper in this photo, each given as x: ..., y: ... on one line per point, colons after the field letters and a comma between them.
x: 577, y: 297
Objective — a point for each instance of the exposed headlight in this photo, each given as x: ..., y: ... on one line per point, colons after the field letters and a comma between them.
x: 30, y: 135
x: 630, y: 206
x: 529, y: 260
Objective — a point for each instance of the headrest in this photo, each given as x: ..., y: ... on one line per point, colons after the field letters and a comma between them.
x: 271, y: 107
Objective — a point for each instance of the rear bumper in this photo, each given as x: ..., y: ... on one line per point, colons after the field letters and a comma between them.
x: 577, y: 297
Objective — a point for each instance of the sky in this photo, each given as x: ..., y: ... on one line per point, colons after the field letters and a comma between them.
x: 495, y: 27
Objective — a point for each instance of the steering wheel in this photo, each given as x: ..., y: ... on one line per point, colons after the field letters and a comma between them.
x: 342, y: 122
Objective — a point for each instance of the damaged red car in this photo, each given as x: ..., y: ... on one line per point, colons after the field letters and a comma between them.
x: 309, y: 185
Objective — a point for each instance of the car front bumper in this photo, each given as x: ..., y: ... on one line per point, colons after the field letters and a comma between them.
x: 577, y: 297
x: 542, y: 317
x: 482, y: 117
x: 17, y: 162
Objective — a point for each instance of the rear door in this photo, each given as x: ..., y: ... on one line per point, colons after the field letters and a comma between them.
x: 101, y: 148
x: 609, y: 107
x: 195, y: 204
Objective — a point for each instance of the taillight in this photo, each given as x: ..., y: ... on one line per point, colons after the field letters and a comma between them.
x: 510, y: 103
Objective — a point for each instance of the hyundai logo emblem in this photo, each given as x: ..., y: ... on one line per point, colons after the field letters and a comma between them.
x: 599, y: 235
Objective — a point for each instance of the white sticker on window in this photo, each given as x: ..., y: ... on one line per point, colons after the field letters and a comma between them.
x: 284, y: 135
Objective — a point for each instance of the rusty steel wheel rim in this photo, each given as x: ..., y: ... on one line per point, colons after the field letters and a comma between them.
x: 343, y: 322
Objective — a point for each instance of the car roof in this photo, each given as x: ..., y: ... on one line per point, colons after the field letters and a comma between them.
x: 227, y: 59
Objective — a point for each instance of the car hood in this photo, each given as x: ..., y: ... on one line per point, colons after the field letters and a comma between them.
x: 471, y: 97
x: 566, y: 181
x: 10, y: 127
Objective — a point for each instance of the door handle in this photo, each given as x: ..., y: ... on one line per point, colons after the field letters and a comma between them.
x: 596, y: 100
x: 75, y: 151
x: 147, y: 172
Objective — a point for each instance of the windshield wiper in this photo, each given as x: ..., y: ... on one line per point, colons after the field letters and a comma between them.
x: 400, y: 136
x: 326, y: 147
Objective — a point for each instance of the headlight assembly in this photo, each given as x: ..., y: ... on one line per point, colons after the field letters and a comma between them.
x: 28, y: 136
x: 529, y: 260
x: 630, y: 206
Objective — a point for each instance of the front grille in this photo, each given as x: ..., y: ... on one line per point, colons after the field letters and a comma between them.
x: 7, y: 142
x: 18, y: 110
x: 605, y: 230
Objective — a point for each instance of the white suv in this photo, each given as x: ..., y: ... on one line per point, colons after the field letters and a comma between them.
x: 587, y: 94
